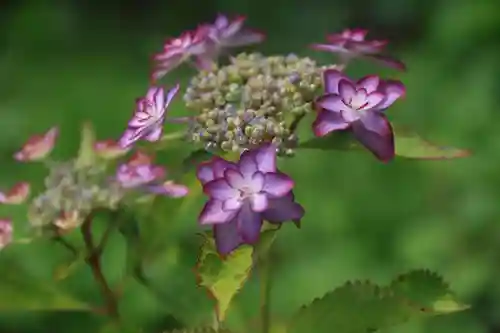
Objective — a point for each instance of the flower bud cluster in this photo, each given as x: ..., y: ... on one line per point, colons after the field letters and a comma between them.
x: 253, y: 100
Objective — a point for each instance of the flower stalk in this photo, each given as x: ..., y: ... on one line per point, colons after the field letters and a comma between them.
x: 265, y: 292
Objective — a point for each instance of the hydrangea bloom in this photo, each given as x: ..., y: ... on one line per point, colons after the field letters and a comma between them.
x: 359, y: 106
x: 16, y: 195
x: 352, y: 44
x: 149, y: 116
x: 38, y: 146
x: 5, y: 232
x: 140, y: 172
x: 242, y: 195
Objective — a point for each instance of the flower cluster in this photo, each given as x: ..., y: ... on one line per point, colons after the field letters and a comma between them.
x: 252, y: 106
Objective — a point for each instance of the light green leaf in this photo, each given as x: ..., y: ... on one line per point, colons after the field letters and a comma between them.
x: 86, y: 154
x: 408, y: 144
x: 21, y: 292
x: 427, y: 291
x: 223, y: 277
x: 66, y: 269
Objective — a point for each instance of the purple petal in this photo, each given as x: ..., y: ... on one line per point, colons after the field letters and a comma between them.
x: 234, y: 179
x: 370, y: 83
x: 327, y: 122
x: 374, y: 132
x: 249, y: 224
x: 347, y: 90
x: 331, y: 79
x: 257, y: 182
x: 386, y: 61
x: 128, y: 138
x: 332, y: 102
x: 233, y: 27
x: 220, y: 189
x: 171, y: 94
x: 139, y: 118
x: 392, y: 90
x: 265, y: 157
x: 152, y: 91
x: 259, y: 202
x: 283, y: 209
x: 212, y: 213
x: 159, y: 101
x: 365, y: 47
x: 248, y: 163
x: 232, y: 204
x: 205, y: 172
x: 373, y: 100
x: 227, y: 237
x: 220, y: 166
x: 221, y: 21
x: 329, y: 48
x: 154, y: 133
x: 245, y: 37
x: 170, y: 189
x: 277, y: 184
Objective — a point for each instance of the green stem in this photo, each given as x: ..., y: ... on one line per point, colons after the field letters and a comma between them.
x: 265, y: 292
x: 94, y: 262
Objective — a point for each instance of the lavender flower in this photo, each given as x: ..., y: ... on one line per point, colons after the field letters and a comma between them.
x: 359, y: 106
x: 38, y: 146
x: 5, y: 232
x: 149, y: 116
x: 243, y: 195
x: 352, y: 44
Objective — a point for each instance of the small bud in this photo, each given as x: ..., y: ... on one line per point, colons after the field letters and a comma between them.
x: 38, y: 147
x: 16, y: 195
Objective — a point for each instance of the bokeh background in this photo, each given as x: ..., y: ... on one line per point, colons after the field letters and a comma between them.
x: 63, y: 62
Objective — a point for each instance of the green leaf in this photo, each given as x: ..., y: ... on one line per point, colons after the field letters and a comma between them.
x: 86, y: 154
x: 267, y: 238
x: 408, y: 145
x: 66, y: 269
x: 195, y: 158
x: 364, y: 307
x: 223, y: 277
x: 21, y: 292
x: 427, y: 291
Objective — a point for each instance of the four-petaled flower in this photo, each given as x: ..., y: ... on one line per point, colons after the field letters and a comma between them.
x: 38, y: 146
x: 359, y: 106
x: 5, y: 232
x: 16, y: 195
x: 191, y: 44
x: 140, y: 172
x: 109, y: 149
x: 226, y: 32
x: 149, y: 116
x: 242, y: 195
x: 352, y: 44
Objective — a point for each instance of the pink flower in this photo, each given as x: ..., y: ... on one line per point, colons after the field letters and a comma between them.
x: 16, y: 195
x: 226, y: 32
x: 352, y: 44
x: 149, y: 116
x: 178, y: 50
x: 359, y: 106
x: 38, y: 146
x: 242, y: 195
x: 5, y: 232
x: 109, y: 149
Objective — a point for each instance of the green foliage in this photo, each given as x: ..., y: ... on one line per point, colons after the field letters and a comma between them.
x: 195, y: 158
x: 362, y: 307
x: 408, y: 145
x: 223, y: 277
x: 200, y: 330
x: 86, y: 155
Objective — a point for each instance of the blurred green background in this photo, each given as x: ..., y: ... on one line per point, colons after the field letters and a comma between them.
x: 63, y: 62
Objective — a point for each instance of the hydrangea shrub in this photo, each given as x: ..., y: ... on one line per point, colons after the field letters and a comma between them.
x: 245, y: 113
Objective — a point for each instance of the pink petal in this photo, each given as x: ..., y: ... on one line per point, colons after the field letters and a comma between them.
x: 220, y: 189
x: 393, y: 90
x: 212, y: 213
x: 154, y: 134
x: 347, y: 90
x: 373, y: 101
x: 227, y: 237
x: 205, y: 172
x: 170, y: 189
x: 258, y: 202
x: 366, y: 47
x: 257, y: 182
x: 128, y: 138
x: 158, y: 100
x: 375, y: 133
x: 249, y: 224
x: 152, y: 91
x: 139, y: 118
x: 235, y: 179
x: 38, y: 146
x: 332, y: 103
x: 17, y: 194
x: 370, y: 83
x: 283, y: 209
x: 171, y: 94
x: 329, y: 48
x: 277, y: 184
x: 233, y: 27
x: 386, y: 61
x: 327, y: 122
x: 356, y: 34
x: 221, y: 21
x: 220, y: 166
x: 232, y: 204
x: 265, y: 157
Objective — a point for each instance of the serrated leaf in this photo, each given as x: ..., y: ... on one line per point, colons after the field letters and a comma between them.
x: 427, y: 291
x: 86, y: 154
x: 22, y: 292
x: 357, y: 307
x: 223, y: 277
x: 408, y: 144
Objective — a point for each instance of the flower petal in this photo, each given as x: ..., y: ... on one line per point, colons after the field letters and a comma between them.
x: 170, y: 189
x: 265, y: 156
x: 205, y: 172
x: 327, y: 122
x: 38, y: 146
x: 171, y: 94
x: 220, y: 166
x: 249, y: 224
x: 329, y: 48
x: 231, y: 204
x: 220, y: 189
x: 16, y: 195
x: 277, y: 184
x: 386, y: 61
x: 283, y: 209
x: 331, y: 79
x: 374, y: 132
x: 347, y: 89
x: 245, y: 37
x: 257, y: 182
x: 332, y: 103
x: 227, y: 237
x: 247, y: 163
x: 392, y: 90
x: 365, y: 47
x: 128, y: 138
x: 6, y: 230
x: 373, y: 100
x: 154, y: 133
x: 258, y: 202
x: 370, y: 83
x: 212, y: 213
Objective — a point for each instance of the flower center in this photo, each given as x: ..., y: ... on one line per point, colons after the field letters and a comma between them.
x: 246, y: 192
x: 357, y: 102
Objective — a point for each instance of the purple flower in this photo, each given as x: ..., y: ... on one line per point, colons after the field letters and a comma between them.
x: 5, y: 232
x: 140, y: 172
x: 352, y: 44
x: 149, y: 116
x: 242, y: 195
x: 226, y: 32
x: 360, y: 107
x: 178, y: 50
